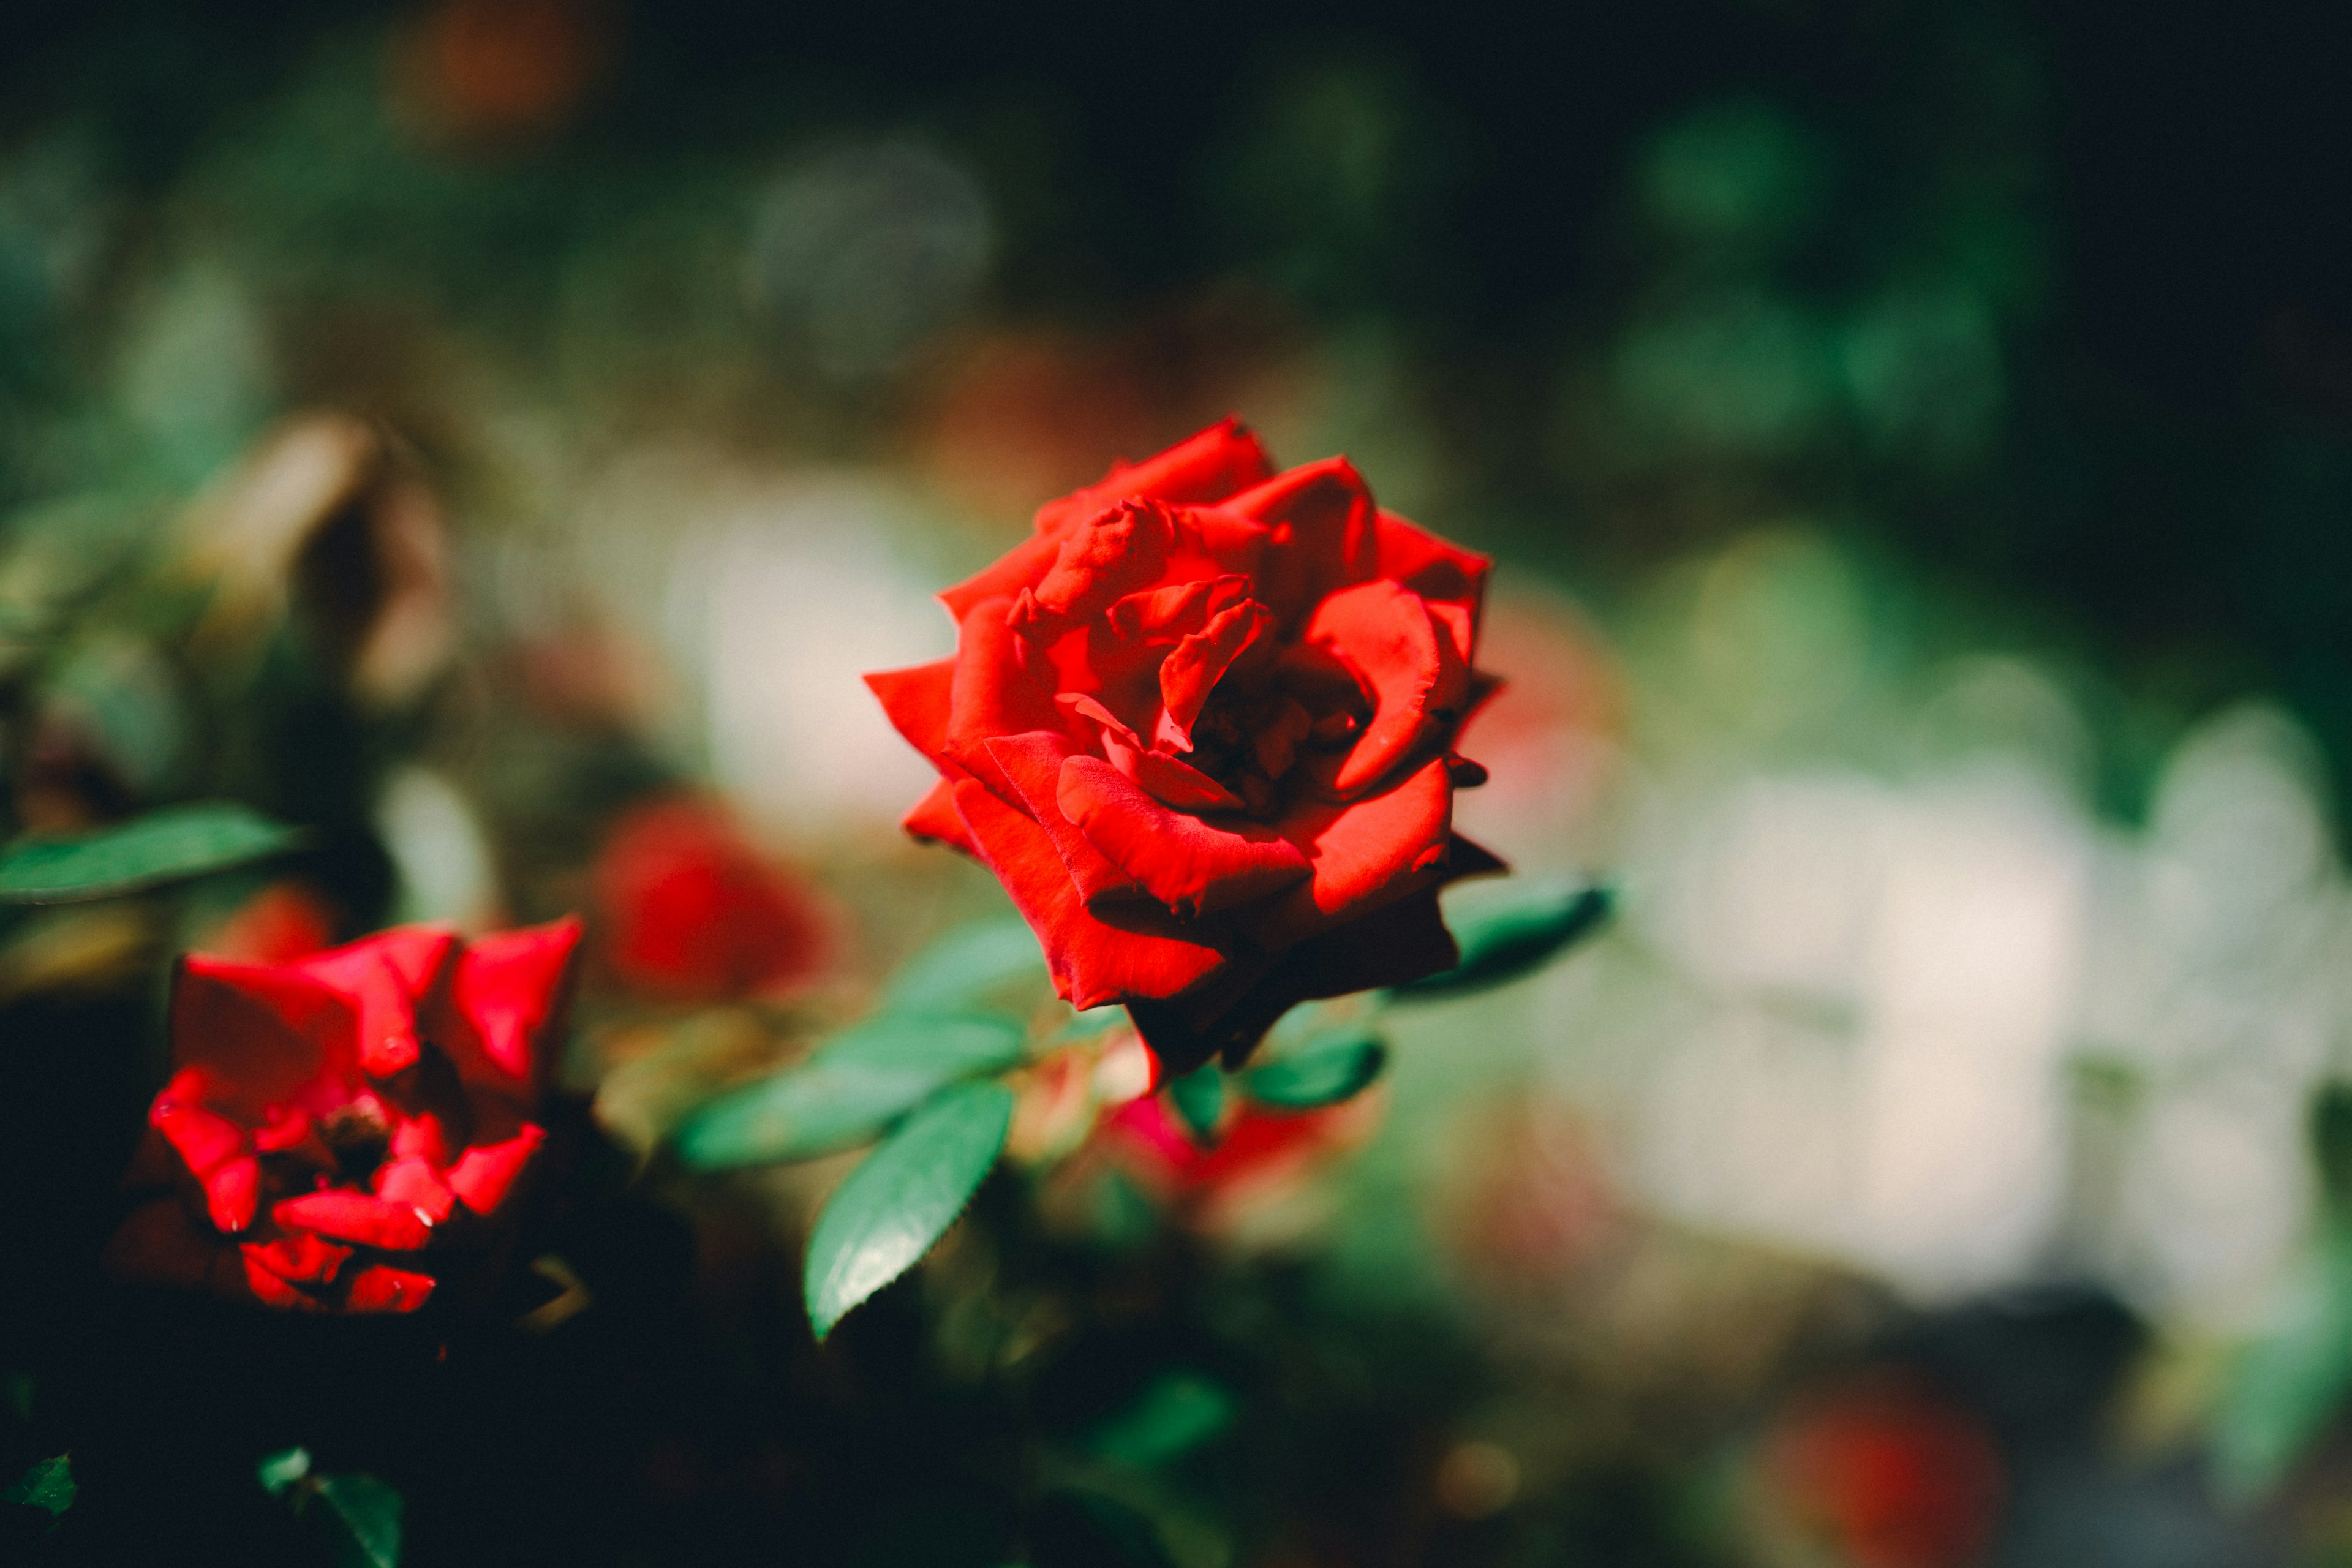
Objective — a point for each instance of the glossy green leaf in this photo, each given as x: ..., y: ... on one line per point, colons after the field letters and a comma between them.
x: 1512, y: 931
x: 853, y: 1089
x: 2284, y: 1387
x: 1321, y: 1071
x: 48, y: 1486
x: 1176, y: 1414
x: 1200, y: 1098
x: 902, y: 1197
x: 165, y: 846
x: 965, y: 966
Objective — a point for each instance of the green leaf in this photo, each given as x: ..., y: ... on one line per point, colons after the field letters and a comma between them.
x: 1510, y: 932
x: 855, y: 1086
x: 964, y: 967
x: 282, y: 1469
x: 902, y: 1197
x: 369, y: 1513
x: 1176, y: 1414
x: 2286, y: 1385
x: 1322, y: 1071
x: 1200, y: 1097
x: 48, y: 1486
x: 165, y: 846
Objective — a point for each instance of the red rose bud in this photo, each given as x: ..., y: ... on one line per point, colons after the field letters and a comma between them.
x: 1258, y: 1159
x: 1201, y: 726
x: 348, y: 1129
x: 690, y: 910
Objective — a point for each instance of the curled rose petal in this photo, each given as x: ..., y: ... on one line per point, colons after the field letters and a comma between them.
x: 1033, y: 763
x: 1169, y: 780
x: 1385, y: 633
x: 355, y: 1216
x: 387, y: 975
x: 1192, y: 865
x: 1103, y: 559
x: 506, y: 990
x: 232, y: 1192
x: 1362, y: 853
x: 1197, y: 663
x: 934, y: 817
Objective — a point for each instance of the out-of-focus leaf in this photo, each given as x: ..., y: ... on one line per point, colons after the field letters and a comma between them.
x: 848, y: 1092
x: 282, y: 1469
x: 369, y: 1511
x: 1200, y: 1096
x: 1084, y: 1528
x: 1176, y: 1414
x: 964, y: 967
x: 2331, y: 1143
x: 2286, y: 1385
x: 1504, y: 936
x: 360, y: 1515
x: 166, y: 846
x: 902, y: 1197
x: 48, y: 1486
x: 1321, y: 1071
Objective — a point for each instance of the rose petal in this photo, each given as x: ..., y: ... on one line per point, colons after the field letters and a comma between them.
x: 1166, y: 779
x: 934, y: 817
x: 916, y: 700
x: 1032, y: 763
x: 261, y: 1031
x: 355, y: 1216
x: 1165, y: 614
x: 1122, y: 548
x: 1192, y: 865
x: 1208, y: 466
x: 485, y: 1174
x: 1122, y: 951
x: 416, y: 1184
x: 232, y: 1192
x: 386, y: 976
x: 1440, y: 571
x: 1321, y: 515
x: 508, y: 992
x: 1363, y: 852
x: 272, y: 1291
x: 1006, y: 576
x: 1400, y: 942
x: 379, y: 1288
x: 1419, y: 684
x: 420, y: 1135
x: 1194, y: 669
x: 298, y: 1256
x: 1002, y: 687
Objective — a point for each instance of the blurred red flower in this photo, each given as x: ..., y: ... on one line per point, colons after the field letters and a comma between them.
x: 688, y: 909
x: 1256, y: 1149
x: 344, y: 1129
x: 1202, y: 727
x: 1887, y: 1474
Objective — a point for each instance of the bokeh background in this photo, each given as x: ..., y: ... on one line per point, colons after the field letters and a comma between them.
x: 1917, y: 440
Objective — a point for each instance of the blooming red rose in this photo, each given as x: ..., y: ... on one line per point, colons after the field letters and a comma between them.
x: 689, y: 909
x: 1201, y: 726
x: 344, y: 1127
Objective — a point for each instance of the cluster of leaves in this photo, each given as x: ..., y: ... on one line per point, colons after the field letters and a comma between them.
x: 921, y: 1081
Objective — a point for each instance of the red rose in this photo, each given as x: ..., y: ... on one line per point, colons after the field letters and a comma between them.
x: 690, y: 910
x: 1889, y: 1474
x: 340, y: 1124
x: 1200, y: 725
